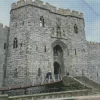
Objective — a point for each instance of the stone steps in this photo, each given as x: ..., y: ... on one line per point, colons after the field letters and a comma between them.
x: 89, y: 83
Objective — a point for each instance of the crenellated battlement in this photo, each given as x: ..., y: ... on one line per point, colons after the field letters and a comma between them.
x: 4, y: 27
x: 46, y: 6
x: 93, y: 43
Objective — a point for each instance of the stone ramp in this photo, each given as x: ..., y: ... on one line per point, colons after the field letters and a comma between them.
x: 74, y: 83
x: 89, y: 83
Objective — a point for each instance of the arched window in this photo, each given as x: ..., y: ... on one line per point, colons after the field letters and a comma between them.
x: 5, y: 45
x: 75, y: 28
x: 41, y: 21
x: 75, y: 52
x: 57, y: 51
x: 15, y: 43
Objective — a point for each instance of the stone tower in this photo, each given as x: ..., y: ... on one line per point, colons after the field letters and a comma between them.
x: 3, y: 47
x: 44, y: 39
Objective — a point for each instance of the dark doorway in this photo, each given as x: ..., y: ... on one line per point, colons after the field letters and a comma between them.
x: 56, y: 68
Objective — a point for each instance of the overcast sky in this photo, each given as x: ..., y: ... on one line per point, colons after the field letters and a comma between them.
x: 90, y: 8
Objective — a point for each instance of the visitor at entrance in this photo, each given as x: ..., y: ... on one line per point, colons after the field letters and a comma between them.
x: 67, y: 73
x: 49, y: 75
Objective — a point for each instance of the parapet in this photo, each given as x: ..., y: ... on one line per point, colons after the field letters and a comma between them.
x: 4, y: 27
x: 1, y: 25
x: 93, y: 43
x: 46, y: 6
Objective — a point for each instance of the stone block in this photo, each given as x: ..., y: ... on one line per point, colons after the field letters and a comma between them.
x: 48, y: 6
x: 75, y: 13
x: 38, y: 3
x: 53, y: 9
x: 22, y: 2
x: 81, y: 15
x: 1, y: 25
x: 67, y: 12
x: 61, y: 11
x: 18, y: 3
x: 13, y: 5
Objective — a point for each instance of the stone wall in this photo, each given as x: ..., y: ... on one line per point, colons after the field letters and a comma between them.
x: 3, y: 97
x: 76, y: 95
x: 94, y: 61
x: 46, y: 96
x: 3, y: 46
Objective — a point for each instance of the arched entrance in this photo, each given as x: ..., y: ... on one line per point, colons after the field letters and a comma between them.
x: 56, y: 68
x: 58, y: 60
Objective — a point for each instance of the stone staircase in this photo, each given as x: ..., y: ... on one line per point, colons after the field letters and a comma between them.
x: 90, y: 84
x: 80, y: 83
x: 74, y: 83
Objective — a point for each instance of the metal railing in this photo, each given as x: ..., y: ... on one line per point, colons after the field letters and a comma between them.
x: 33, y: 82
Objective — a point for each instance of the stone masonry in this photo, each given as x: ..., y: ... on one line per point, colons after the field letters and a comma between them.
x: 94, y: 61
x: 39, y: 42
x: 3, y: 46
x: 44, y: 39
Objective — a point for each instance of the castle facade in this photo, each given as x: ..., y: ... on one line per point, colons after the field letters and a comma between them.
x: 42, y: 39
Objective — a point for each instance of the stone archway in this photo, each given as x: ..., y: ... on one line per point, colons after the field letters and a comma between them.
x: 58, y: 60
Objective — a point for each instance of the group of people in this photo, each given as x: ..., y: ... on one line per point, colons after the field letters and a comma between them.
x: 49, y: 75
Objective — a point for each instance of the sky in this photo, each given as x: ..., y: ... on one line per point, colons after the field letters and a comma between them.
x: 90, y: 9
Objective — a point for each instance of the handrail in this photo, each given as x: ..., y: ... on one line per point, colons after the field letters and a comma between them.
x: 55, y: 79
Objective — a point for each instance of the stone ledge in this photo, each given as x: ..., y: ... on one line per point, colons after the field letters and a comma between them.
x: 4, y: 97
x: 54, y: 94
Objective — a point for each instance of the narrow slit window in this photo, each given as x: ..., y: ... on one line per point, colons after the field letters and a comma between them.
x: 75, y: 52
x: 68, y: 52
x: 42, y: 21
x: 5, y: 45
x: 15, y: 43
x: 16, y: 73
x: 23, y: 23
x: 21, y: 44
x: 39, y: 72
x: 75, y: 28
x: 97, y: 74
x: 45, y: 49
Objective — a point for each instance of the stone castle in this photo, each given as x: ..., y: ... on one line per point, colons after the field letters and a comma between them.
x: 42, y: 39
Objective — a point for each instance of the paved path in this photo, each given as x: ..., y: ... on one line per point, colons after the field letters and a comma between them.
x: 96, y: 97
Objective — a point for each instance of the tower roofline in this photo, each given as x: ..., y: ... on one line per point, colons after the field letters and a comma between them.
x: 47, y: 6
